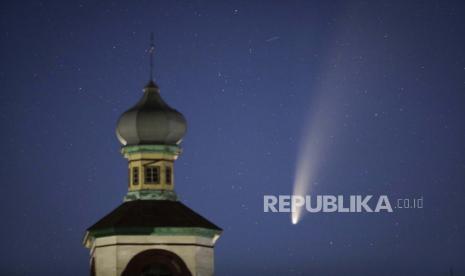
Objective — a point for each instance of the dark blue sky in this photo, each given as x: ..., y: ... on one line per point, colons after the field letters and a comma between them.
x: 246, y: 75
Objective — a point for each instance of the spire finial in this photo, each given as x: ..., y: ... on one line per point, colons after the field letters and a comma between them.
x: 151, y: 51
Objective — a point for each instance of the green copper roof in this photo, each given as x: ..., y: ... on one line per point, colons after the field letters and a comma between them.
x: 170, y: 149
x: 150, y: 195
x: 158, y: 231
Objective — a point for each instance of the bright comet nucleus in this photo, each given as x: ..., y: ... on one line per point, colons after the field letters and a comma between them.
x: 295, y: 218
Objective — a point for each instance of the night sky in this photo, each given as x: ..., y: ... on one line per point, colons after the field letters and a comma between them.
x: 247, y: 76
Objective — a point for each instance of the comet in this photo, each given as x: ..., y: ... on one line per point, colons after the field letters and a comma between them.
x: 319, y: 132
x: 307, y: 166
x: 329, y: 110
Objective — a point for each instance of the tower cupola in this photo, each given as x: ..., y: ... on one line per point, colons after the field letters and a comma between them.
x: 150, y: 133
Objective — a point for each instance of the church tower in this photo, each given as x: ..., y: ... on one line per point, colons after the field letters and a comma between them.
x: 151, y: 232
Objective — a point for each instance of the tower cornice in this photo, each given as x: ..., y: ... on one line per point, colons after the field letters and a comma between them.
x: 168, y: 149
x: 151, y: 195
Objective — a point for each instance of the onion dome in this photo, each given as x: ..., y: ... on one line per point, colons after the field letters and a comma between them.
x: 151, y: 121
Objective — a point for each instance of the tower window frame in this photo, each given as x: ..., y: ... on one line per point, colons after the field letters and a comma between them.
x: 168, y: 175
x: 135, y: 176
x: 152, y: 175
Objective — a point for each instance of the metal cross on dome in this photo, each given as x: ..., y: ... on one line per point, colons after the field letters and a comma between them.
x: 151, y: 50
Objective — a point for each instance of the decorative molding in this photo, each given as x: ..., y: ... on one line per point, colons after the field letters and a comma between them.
x: 168, y: 149
x: 154, y: 243
x: 157, y: 231
x: 151, y: 195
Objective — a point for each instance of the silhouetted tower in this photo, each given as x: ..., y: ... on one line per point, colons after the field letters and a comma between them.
x: 151, y: 233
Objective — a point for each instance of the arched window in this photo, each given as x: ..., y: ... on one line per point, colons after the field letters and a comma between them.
x: 156, y: 262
